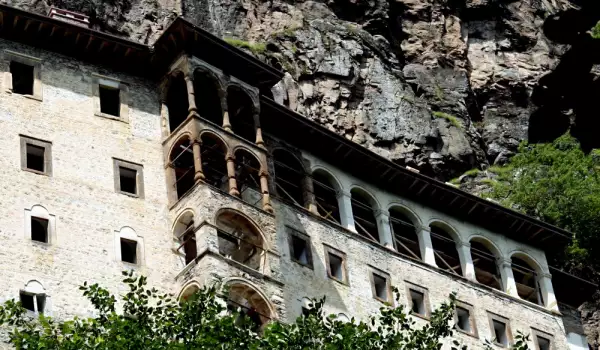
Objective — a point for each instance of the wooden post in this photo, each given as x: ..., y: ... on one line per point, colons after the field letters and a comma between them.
x: 223, y: 98
x: 189, y: 82
x: 233, y: 190
x: 199, y: 174
x: 264, y: 188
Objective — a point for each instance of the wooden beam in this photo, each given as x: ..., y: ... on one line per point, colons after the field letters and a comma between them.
x: 473, y: 208
x: 1, y: 19
x: 77, y: 38
x: 422, y: 189
x: 89, y: 43
x: 53, y: 30
x: 102, y: 46
x: 172, y: 39
x: 413, y: 184
x: 454, y: 200
x: 15, y: 21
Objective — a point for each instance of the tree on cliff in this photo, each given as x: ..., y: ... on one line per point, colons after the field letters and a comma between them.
x: 152, y: 320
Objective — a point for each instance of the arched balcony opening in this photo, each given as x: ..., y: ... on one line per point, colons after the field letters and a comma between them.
x: 240, y: 240
x: 525, y: 272
x: 185, y: 234
x: 247, y: 174
x: 485, y: 262
x: 182, y: 163
x: 444, y: 247
x: 177, y: 101
x: 249, y: 303
x: 363, y: 211
x: 241, y: 110
x: 289, y: 177
x: 214, y: 163
x: 326, y: 189
x: 207, y: 97
x: 404, y: 231
x: 188, y: 292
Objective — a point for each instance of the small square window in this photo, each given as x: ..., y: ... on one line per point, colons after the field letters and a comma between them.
x: 543, y: 343
x: 542, y: 340
x: 463, y: 320
x: 35, y: 157
x: 500, y: 333
x: 417, y: 302
x: 128, y: 180
x: 128, y: 251
x: 110, y: 102
x: 22, y: 78
x: 335, y: 267
x: 300, y: 248
x: 39, y: 230
x: 27, y: 301
x: 380, y: 287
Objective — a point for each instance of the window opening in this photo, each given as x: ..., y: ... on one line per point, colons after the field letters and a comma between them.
x: 305, y: 312
x: 185, y: 234
x: 33, y: 302
x: 364, y: 216
x: 22, y: 78
x: 207, y: 98
x: 39, y: 230
x: 128, y: 180
x: 35, y: 157
x: 249, y: 303
x: 336, y: 267
x: 405, y: 234
x: 543, y: 343
x: 177, y: 101
x: 239, y: 240
x: 463, y: 320
x: 486, y: 269
x: 247, y: 173
x: 214, y: 163
x: 446, y: 255
x: 326, y: 197
x: 300, y: 250
x: 500, y: 333
x: 182, y: 162
x: 128, y: 251
x: 27, y: 301
x: 110, y: 101
x: 417, y: 300
x: 240, y: 108
x: 526, y: 280
x: 380, y: 285
x: 289, y: 177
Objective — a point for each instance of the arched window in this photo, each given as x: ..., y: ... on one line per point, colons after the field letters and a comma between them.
x: 525, y: 272
x: 289, y: 177
x: 241, y: 117
x: 404, y: 232
x: 182, y: 163
x: 214, y: 164
x: 444, y: 246
x: 250, y: 303
x: 485, y: 263
x: 34, y: 298
x: 185, y: 235
x: 363, y: 211
x: 177, y: 101
x: 188, y: 291
x: 239, y: 239
x: 207, y: 97
x: 325, y: 190
x: 247, y: 171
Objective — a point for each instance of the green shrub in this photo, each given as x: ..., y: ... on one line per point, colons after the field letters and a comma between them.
x: 256, y: 48
x: 449, y: 117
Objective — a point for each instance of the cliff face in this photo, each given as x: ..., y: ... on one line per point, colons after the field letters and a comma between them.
x: 443, y: 86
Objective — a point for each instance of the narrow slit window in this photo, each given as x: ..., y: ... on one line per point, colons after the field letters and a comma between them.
x: 22, y: 78
x: 35, y: 157
x: 110, y: 102
x: 300, y: 250
x: 417, y: 300
x: 128, y: 251
x: 500, y: 333
x: 39, y: 230
x: 336, y: 269
x: 128, y: 180
x: 380, y: 287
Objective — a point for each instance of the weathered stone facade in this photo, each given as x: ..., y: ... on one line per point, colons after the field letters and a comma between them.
x: 88, y: 216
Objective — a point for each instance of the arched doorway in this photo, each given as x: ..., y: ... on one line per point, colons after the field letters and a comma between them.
x: 208, y: 102
x: 214, y: 164
x: 182, y: 162
x: 404, y: 231
x: 484, y: 257
x: 240, y: 239
x: 363, y: 211
x: 177, y: 100
x: 241, y: 110
x: 325, y: 190
x: 444, y: 247
x: 289, y: 177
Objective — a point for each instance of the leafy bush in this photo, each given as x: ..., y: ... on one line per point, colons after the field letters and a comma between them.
x: 256, y: 48
x: 449, y: 117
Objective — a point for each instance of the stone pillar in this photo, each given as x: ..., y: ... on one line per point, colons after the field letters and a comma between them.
x: 426, y: 247
x: 346, y: 216
x: 223, y: 98
x: 189, y: 82
x: 199, y: 174
x: 383, y: 228
x: 164, y: 118
x: 309, y: 194
x: 466, y: 261
x: 508, y: 279
x: 264, y: 188
x: 547, y: 291
x: 233, y: 190
x: 259, y: 139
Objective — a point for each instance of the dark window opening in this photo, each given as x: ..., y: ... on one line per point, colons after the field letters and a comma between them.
x: 463, y: 320
x: 214, y: 163
x: 289, y: 177
x: 417, y: 300
x: 405, y: 234
x: 500, y: 333
x: 41, y: 303
x: 22, y: 78
x: 177, y: 102
x: 128, y: 180
x: 300, y: 250
x: 543, y: 343
x: 239, y: 239
x: 446, y: 255
x: 326, y: 197
x: 35, y: 157
x: 189, y: 245
x: 380, y: 287
x: 526, y: 280
x: 240, y: 108
x: 27, y: 301
x: 128, y: 251
x: 364, y: 216
x: 247, y: 171
x: 486, y: 269
x: 305, y: 312
x: 336, y: 267
x: 39, y: 230
x: 207, y: 97
x: 182, y: 161
x: 110, y: 101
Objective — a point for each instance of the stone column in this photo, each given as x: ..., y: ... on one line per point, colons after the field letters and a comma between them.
x: 223, y: 98
x: 189, y: 82
x: 508, y: 279
x: 547, y: 291
x: 233, y: 190
x: 426, y: 247
x: 264, y: 188
x: 308, y: 192
x: 164, y: 118
x: 346, y: 216
x: 199, y: 174
x: 466, y: 261
x: 383, y: 228
x: 259, y: 139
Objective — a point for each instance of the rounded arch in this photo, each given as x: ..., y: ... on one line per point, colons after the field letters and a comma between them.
x: 185, y: 235
x: 214, y: 152
x: 177, y: 99
x: 405, y: 226
x: 232, y: 84
x: 406, y: 211
x: 39, y: 211
x: 531, y: 261
x: 243, y: 148
x: 289, y: 176
x: 34, y: 287
x: 221, y: 84
x: 207, y: 96
x: 364, y: 206
x: 128, y: 232
x: 361, y: 191
x: 183, y: 219
x: 488, y: 244
x: 249, y: 297
x: 207, y: 133
x: 485, y: 256
x: 188, y: 290
x: 444, y: 240
x: 186, y: 136
x: 318, y: 169
x: 241, y: 108
x: 254, y: 226
x: 326, y: 188
x: 526, y: 272
x: 448, y: 228
x: 181, y: 161
x: 247, y: 173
